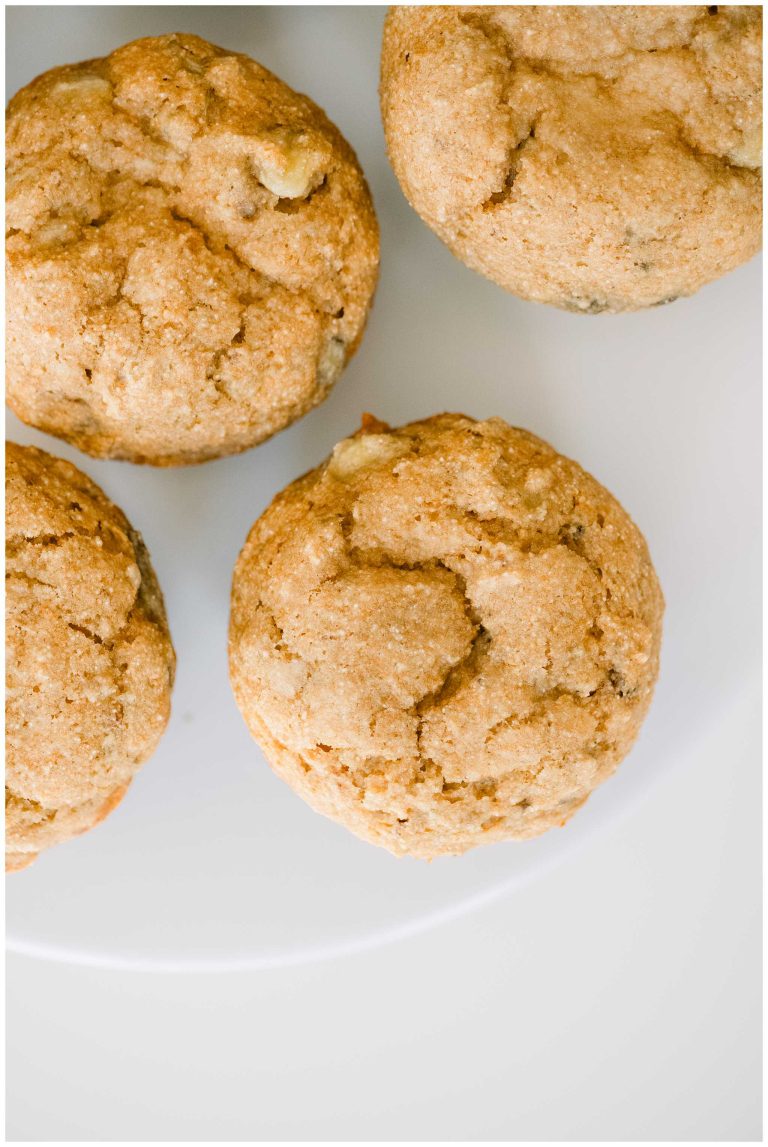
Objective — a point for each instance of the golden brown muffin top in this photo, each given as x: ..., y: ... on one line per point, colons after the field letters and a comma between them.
x: 192, y: 252
x: 599, y: 158
x: 447, y: 633
x: 89, y: 661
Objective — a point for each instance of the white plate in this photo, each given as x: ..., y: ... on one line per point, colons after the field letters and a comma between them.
x: 211, y: 862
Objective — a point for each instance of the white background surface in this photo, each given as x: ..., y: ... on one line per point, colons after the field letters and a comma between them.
x: 613, y: 996
x: 615, y: 999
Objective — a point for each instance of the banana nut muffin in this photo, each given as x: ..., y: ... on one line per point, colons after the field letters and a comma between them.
x: 599, y: 158
x: 192, y: 252
x: 89, y: 660
x: 446, y: 634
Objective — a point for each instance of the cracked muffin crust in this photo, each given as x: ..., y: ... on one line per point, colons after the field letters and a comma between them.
x: 446, y: 634
x: 89, y: 660
x: 192, y: 252
x: 598, y: 158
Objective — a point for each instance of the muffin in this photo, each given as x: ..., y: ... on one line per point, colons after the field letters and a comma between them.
x: 89, y: 660
x: 192, y: 252
x: 600, y: 158
x: 445, y: 635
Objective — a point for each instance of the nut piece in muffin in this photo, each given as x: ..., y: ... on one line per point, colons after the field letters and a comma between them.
x: 89, y: 660
x: 445, y: 635
x: 192, y: 252
x: 600, y: 158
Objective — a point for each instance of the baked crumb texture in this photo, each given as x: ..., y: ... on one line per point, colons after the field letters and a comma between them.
x: 192, y: 252
x: 445, y: 635
x: 89, y: 660
x: 598, y: 158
